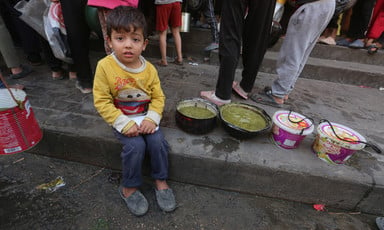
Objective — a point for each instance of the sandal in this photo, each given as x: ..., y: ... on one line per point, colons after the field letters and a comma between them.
x: 373, y: 48
x: 26, y: 69
x: 266, y: 98
x: 177, y: 62
x: 161, y: 63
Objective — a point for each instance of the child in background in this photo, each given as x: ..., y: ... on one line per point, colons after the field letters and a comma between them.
x: 128, y: 95
x: 168, y: 12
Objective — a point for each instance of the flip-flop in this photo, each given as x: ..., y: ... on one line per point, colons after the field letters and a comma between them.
x: 178, y: 62
x: 161, y: 64
x: 380, y: 223
x: 266, y: 98
x: 373, y: 48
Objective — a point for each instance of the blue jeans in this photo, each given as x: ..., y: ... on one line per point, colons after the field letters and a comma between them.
x: 134, y: 150
x: 2, y: 84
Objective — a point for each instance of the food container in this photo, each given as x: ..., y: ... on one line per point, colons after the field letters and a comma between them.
x: 331, y: 148
x: 290, y: 128
x: 196, y: 115
x: 243, y: 121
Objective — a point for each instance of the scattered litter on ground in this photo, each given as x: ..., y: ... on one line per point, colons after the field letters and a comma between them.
x: 381, y: 88
x: 16, y: 161
x: 363, y: 86
x: 348, y: 213
x: 53, y: 185
x: 88, y: 179
x: 319, y: 207
x: 193, y: 63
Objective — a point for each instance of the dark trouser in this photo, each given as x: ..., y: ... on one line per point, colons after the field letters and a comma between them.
x: 20, y: 31
x: 78, y: 39
x: 209, y: 14
x: 252, y: 32
x: 54, y: 63
x: 134, y: 149
x: 361, y: 15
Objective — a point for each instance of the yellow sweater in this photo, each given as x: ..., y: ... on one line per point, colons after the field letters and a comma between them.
x: 113, y: 80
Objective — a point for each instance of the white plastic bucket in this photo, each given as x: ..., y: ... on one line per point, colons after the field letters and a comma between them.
x: 290, y: 128
x: 333, y: 150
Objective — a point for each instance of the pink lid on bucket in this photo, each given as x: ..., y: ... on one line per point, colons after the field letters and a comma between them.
x: 295, y: 124
x: 325, y: 129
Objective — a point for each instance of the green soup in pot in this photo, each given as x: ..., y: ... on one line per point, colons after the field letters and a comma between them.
x: 244, y: 118
x: 196, y: 112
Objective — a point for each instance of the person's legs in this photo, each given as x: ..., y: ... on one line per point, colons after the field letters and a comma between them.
x: 7, y: 48
x: 231, y: 30
x: 209, y: 14
x: 163, y: 47
x: 175, y: 22
x: 157, y: 148
x: 162, y: 18
x: 361, y: 15
x: 255, y: 39
x: 304, y: 28
x: 177, y: 39
x: 78, y: 39
x: 132, y: 159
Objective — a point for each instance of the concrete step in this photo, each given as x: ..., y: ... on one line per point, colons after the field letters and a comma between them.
x: 74, y: 131
x: 326, y: 63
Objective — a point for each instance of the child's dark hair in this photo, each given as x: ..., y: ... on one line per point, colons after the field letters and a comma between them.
x: 126, y: 18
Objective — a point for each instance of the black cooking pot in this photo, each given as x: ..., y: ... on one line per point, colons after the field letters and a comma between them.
x: 239, y: 132
x: 193, y: 124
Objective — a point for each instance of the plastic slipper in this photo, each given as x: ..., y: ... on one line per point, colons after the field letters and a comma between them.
x: 380, y: 223
x: 237, y: 88
x: 373, y: 48
x: 26, y: 69
x: 357, y: 44
x: 266, y: 98
x: 343, y: 42
x: 177, y: 62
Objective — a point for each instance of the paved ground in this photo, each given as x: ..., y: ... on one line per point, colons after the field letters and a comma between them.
x: 90, y: 201
x: 74, y: 131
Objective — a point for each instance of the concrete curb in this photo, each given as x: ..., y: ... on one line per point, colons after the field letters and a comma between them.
x: 217, y: 160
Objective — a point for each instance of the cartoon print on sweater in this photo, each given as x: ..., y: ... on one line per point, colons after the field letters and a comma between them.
x: 132, y: 102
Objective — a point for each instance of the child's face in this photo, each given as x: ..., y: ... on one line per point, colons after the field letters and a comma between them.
x: 128, y: 46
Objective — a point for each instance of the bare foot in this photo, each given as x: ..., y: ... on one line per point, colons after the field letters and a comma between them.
x: 128, y: 191
x: 161, y: 184
x: 278, y: 100
x: 72, y: 75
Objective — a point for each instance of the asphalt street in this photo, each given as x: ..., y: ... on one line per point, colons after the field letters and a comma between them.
x: 88, y: 199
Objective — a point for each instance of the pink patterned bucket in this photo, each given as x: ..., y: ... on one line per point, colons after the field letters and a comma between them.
x: 330, y: 148
x: 290, y: 128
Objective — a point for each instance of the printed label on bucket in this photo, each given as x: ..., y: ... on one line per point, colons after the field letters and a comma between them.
x: 293, y: 121
x: 341, y: 132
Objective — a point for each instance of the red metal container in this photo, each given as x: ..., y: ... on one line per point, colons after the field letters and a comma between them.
x: 19, y: 130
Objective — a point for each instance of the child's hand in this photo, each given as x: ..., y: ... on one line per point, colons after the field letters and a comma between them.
x: 147, y: 127
x: 133, y: 131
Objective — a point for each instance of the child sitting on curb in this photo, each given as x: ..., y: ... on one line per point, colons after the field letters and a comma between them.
x: 128, y: 95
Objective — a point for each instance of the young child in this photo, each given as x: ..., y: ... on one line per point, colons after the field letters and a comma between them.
x: 128, y: 95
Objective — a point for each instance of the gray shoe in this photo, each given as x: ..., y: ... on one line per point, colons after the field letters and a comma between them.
x: 380, y: 222
x: 166, y: 200
x: 211, y: 46
x: 136, y: 202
